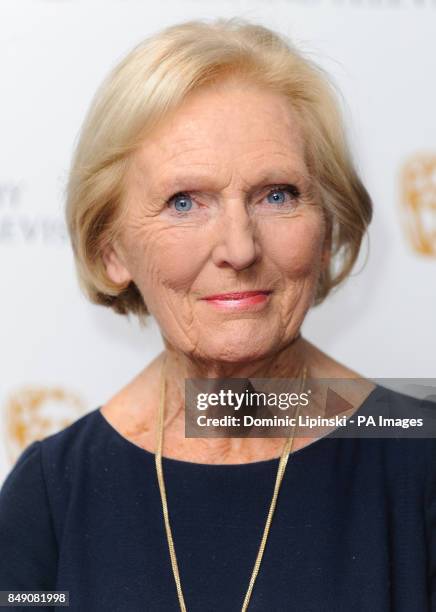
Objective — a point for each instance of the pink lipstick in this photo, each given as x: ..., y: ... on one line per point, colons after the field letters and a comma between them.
x: 241, y: 300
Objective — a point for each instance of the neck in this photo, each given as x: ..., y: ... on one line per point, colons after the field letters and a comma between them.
x: 288, y: 363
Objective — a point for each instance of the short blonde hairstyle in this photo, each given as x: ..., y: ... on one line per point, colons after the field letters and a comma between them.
x: 153, y: 80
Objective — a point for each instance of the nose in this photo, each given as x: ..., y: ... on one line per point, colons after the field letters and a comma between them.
x: 236, y: 243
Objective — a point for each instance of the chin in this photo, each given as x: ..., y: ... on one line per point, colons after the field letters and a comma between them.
x: 236, y: 349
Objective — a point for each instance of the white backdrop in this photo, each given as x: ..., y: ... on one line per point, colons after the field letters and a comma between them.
x: 62, y: 356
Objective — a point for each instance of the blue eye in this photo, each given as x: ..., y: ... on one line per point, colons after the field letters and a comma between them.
x: 289, y: 189
x: 183, y: 200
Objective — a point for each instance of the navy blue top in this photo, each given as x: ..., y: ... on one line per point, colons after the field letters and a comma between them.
x: 354, y: 527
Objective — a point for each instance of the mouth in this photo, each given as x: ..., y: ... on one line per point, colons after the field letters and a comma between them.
x: 240, y: 295
x: 241, y: 300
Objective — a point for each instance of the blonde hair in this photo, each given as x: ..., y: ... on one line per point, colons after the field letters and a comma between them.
x: 153, y: 80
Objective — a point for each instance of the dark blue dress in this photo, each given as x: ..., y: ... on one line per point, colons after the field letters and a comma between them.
x: 354, y: 528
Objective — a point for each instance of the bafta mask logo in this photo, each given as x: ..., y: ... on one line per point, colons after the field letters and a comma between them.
x: 418, y: 203
x: 32, y: 413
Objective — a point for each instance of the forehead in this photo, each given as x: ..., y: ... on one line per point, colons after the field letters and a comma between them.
x: 244, y: 128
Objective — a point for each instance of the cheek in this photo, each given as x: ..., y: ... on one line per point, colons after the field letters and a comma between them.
x: 166, y: 260
x: 296, y: 246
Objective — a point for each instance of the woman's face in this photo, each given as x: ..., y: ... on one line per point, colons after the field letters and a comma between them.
x: 219, y: 201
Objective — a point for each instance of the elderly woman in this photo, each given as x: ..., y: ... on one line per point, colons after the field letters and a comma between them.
x: 212, y: 188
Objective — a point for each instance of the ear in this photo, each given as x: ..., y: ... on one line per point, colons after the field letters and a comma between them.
x: 115, y: 268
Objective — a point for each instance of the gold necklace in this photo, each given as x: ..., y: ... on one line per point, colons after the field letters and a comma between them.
x: 158, y: 460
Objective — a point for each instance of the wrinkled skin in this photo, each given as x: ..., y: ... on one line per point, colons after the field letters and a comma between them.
x: 239, y: 141
x: 229, y: 147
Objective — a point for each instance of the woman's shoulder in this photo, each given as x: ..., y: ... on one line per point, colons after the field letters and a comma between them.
x: 51, y: 470
x: 77, y: 438
x: 391, y: 402
x: 70, y: 440
x: 51, y: 459
x: 406, y: 428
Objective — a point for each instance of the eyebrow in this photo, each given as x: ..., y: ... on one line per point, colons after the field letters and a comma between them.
x: 273, y: 175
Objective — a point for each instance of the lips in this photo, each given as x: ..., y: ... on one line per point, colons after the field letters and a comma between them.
x: 236, y: 296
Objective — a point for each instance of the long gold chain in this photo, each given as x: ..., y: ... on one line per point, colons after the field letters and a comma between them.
x: 280, y: 473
